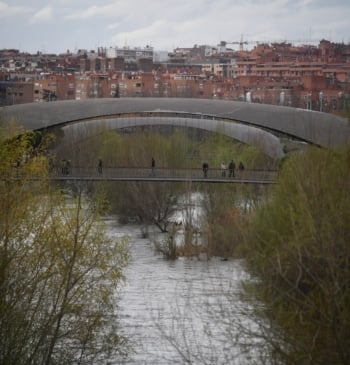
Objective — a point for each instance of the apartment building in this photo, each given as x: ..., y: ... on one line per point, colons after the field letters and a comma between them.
x: 45, y: 88
x: 17, y: 92
x: 316, y: 77
x: 130, y: 55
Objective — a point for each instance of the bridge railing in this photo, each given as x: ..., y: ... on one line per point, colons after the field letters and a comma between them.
x: 130, y: 173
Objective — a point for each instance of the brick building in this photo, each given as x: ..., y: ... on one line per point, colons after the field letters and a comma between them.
x: 306, y: 76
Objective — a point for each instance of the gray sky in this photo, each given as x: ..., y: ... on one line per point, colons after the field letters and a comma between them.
x: 57, y: 25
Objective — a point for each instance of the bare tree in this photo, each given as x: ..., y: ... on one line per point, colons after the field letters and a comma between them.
x: 59, y: 270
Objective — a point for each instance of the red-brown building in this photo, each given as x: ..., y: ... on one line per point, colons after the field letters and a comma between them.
x: 314, y: 77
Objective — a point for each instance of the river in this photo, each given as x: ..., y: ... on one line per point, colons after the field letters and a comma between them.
x: 186, y: 311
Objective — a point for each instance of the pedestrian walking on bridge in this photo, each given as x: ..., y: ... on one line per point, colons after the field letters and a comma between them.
x: 153, y: 167
x: 232, y: 167
x: 205, y: 168
x: 223, y: 169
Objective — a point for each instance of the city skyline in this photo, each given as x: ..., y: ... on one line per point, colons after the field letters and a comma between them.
x: 58, y: 25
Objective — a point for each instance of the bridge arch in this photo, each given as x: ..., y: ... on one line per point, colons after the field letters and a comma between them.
x: 251, y: 123
x: 266, y: 141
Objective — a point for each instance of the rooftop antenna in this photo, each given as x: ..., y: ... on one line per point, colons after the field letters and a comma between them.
x: 310, y: 35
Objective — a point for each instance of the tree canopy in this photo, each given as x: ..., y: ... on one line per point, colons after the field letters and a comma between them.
x: 298, y: 246
x: 59, y: 270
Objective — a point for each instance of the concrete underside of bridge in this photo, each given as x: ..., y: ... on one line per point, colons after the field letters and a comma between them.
x: 266, y: 142
x: 247, y: 122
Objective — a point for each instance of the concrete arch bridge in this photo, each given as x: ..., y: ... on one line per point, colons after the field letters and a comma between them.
x: 257, y: 124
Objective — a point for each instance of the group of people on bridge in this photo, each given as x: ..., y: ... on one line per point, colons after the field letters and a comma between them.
x: 205, y: 168
x: 65, y: 168
x: 231, y: 168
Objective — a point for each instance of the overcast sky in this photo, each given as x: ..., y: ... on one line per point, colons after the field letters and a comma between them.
x: 57, y: 25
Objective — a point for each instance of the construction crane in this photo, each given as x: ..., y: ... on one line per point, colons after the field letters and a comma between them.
x: 241, y: 43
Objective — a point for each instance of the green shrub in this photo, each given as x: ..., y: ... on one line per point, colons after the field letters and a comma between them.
x: 298, y: 245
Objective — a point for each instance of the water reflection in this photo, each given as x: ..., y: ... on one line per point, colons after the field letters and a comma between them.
x: 182, y: 311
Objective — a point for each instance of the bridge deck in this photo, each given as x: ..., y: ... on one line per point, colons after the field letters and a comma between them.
x: 247, y: 176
